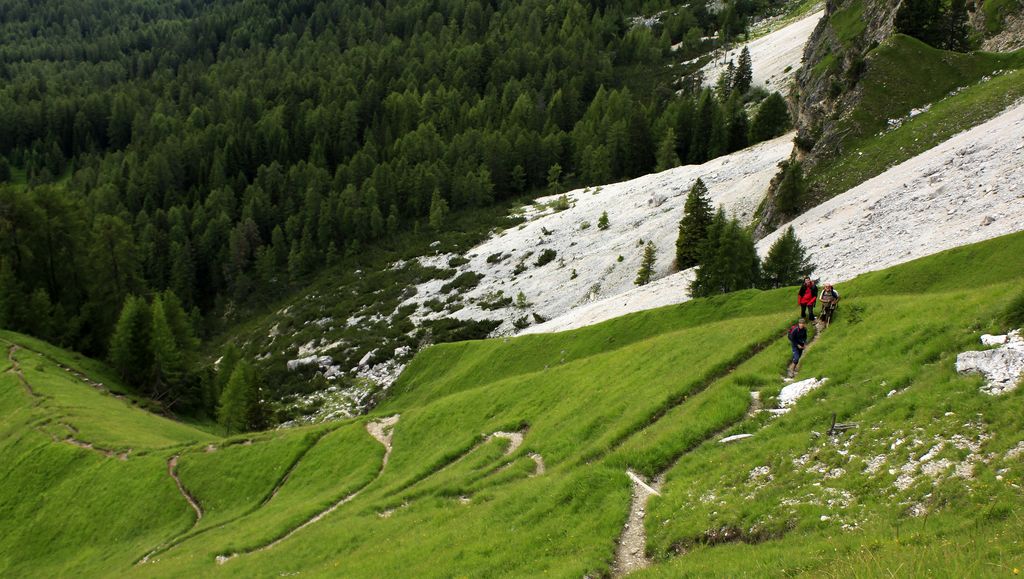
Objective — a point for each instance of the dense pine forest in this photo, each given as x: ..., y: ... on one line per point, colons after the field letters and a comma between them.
x: 164, y: 164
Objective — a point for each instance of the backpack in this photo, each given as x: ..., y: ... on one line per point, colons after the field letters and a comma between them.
x: 792, y: 329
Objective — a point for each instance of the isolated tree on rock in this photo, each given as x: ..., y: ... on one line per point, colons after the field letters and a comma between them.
x: 693, y: 227
x: 744, y: 75
x: 602, y: 222
x: 786, y: 262
x: 240, y: 406
x: 643, y: 277
x: 771, y: 119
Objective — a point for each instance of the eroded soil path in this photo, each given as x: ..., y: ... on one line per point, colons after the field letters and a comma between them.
x: 631, y: 552
x: 16, y: 370
x: 382, y: 430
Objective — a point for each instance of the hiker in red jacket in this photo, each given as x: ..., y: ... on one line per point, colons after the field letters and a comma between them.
x: 806, y: 297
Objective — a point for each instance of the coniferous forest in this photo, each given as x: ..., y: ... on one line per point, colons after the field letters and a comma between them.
x: 176, y: 161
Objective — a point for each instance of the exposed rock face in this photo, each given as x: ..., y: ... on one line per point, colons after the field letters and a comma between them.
x: 1003, y: 367
x: 826, y: 84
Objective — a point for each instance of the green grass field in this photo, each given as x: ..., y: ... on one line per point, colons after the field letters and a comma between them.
x: 923, y: 486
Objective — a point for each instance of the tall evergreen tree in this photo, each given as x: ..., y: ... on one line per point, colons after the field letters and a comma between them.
x: 771, y: 119
x: 240, y: 405
x: 667, y: 157
x: 729, y: 261
x: 643, y: 277
x: 438, y: 211
x: 130, y: 352
x: 922, y: 19
x: 792, y: 189
x: 786, y: 262
x: 744, y: 75
x: 693, y: 227
x: 958, y: 31
x: 167, y: 373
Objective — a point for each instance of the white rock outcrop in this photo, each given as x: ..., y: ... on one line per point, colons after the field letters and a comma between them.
x: 797, y: 390
x: 1003, y: 367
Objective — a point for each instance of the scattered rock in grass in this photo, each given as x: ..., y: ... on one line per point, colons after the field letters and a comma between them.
x: 1003, y: 367
x: 734, y: 438
x: 793, y: 392
x: 875, y: 464
x: 1016, y: 452
x: 761, y: 474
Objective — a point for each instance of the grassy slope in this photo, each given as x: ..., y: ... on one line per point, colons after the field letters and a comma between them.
x: 652, y: 391
x: 904, y: 73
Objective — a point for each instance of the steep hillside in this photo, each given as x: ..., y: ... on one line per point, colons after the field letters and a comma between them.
x: 531, y: 455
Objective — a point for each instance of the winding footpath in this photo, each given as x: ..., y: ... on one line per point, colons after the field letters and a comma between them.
x: 381, y: 430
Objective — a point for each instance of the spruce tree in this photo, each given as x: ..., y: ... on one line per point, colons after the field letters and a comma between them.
x: 744, y: 75
x: 771, y: 119
x: 602, y: 222
x: 786, y: 262
x: 693, y: 227
x: 643, y: 277
x: 792, y: 189
x: 738, y: 124
x: 438, y: 211
x: 729, y: 261
x: 667, y: 157
x: 958, y: 31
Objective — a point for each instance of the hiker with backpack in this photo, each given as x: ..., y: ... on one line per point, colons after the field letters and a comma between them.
x: 829, y: 299
x: 798, y: 342
x: 806, y: 296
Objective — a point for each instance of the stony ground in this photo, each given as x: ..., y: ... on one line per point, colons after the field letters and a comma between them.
x: 775, y: 57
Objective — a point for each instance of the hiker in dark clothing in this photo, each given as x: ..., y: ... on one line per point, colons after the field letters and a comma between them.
x: 806, y: 296
x: 798, y: 341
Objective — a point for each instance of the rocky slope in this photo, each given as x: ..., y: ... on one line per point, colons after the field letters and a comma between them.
x: 775, y: 57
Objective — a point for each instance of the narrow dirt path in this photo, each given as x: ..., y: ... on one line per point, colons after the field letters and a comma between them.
x: 382, y: 430
x: 539, y: 461
x: 172, y: 471
x: 631, y: 553
x: 291, y: 468
x: 70, y: 439
x: 16, y: 370
x: 631, y: 550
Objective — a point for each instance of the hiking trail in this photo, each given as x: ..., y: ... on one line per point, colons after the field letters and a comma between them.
x: 16, y: 370
x: 381, y: 430
x: 631, y: 552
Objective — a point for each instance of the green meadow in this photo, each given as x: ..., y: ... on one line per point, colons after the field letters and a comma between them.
x: 924, y: 484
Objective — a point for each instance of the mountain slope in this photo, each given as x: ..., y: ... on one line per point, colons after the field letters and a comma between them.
x: 461, y: 490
